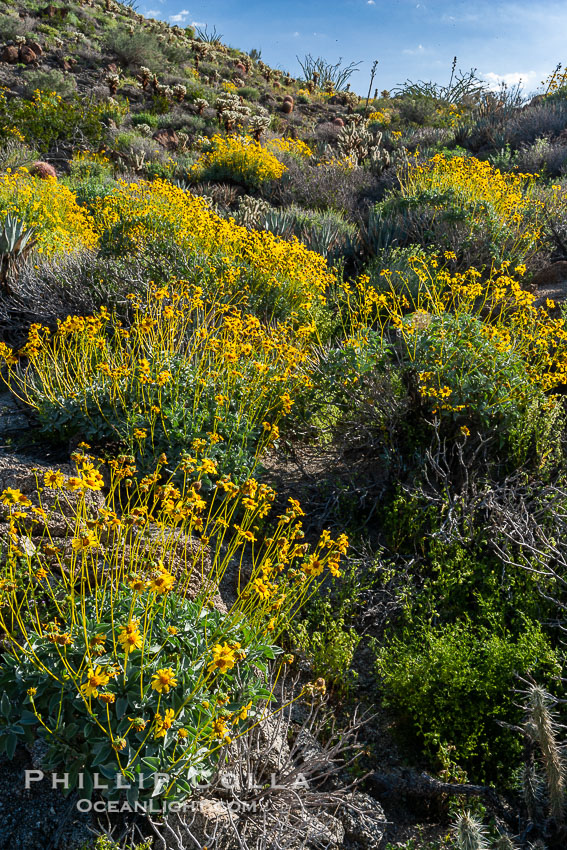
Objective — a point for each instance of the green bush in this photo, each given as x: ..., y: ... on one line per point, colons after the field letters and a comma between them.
x: 47, y: 119
x: 329, y: 644
x: 249, y: 93
x: 54, y: 80
x: 454, y: 684
x: 145, y: 118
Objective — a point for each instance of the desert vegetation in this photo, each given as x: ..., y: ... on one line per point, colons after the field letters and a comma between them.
x: 283, y: 478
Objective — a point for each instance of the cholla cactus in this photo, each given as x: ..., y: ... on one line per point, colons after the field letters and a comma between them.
x: 112, y: 81
x: 355, y: 142
x: 145, y: 129
x: 315, y: 78
x: 504, y: 843
x: 201, y: 51
x: 251, y: 211
x: 144, y: 76
x: 258, y: 125
x: 540, y: 726
x: 350, y: 99
x: 231, y: 111
x: 16, y: 241
x: 470, y: 833
x: 20, y: 40
x: 179, y: 93
x: 201, y: 104
x: 183, y: 141
x: 329, y: 87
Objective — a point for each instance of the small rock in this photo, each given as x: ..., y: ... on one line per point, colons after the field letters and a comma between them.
x: 9, y: 54
x: 36, y: 47
x: 363, y: 820
x: 27, y: 55
x: 168, y: 139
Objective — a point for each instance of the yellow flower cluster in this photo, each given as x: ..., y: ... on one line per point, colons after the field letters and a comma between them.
x: 241, y: 157
x: 159, y: 208
x: 477, y: 185
x: 293, y: 146
x: 379, y: 117
x: 50, y: 207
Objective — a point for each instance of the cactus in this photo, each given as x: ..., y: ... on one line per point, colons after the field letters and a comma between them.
x: 200, y: 105
x: 112, y: 81
x: 16, y: 241
x: 145, y: 129
x: 470, y: 833
x: 504, y: 843
x: 251, y: 211
x: 258, y: 125
x: 179, y: 93
x: 144, y: 76
x: 541, y: 727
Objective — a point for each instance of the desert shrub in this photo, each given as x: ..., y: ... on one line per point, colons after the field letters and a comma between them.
x: 47, y: 118
x: 48, y: 206
x: 465, y: 206
x: 329, y: 644
x: 176, y: 378
x: 50, y: 81
x: 148, y: 118
x: 12, y: 26
x: 335, y: 186
x: 276, y: 276
x: 494, y: 128
x: 546, y: 119
x: 454, y: 684
x: 477, y: 353
x: 89, y: 164
x: 544, y: 157
x: 420, y: 110
x: 131, y: 670
x: 249, y: 93
x: 240, y: 159
x: 137, y: 49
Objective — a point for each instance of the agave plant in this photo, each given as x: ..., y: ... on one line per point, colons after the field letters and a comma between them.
x: 16, y: 241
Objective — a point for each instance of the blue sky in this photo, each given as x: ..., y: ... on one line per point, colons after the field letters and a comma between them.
x: 413, y: 39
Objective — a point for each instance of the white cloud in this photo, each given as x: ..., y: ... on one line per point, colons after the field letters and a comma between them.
x: 198, y: 24
x: 370, y: 2
x: 152, y: 13
x: 179, y: 18
x: 296, y: 35
x: 526, y: 78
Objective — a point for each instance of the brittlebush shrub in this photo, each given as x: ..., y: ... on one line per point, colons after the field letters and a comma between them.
x: 48, y: 206
x: 184, y: 374
x: 466, y: 206
x: 479, y: 354
x: 238, y: 158
x: 274, y: 276
x: 110, y: 655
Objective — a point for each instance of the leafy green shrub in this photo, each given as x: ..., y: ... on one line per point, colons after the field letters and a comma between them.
x: 328, y: 643
x: 47, y: 118
x: 467, y: 377
x: 145, y: 118
x: 54, y: 80
x: 249, y: 93
x: 453, y: 684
